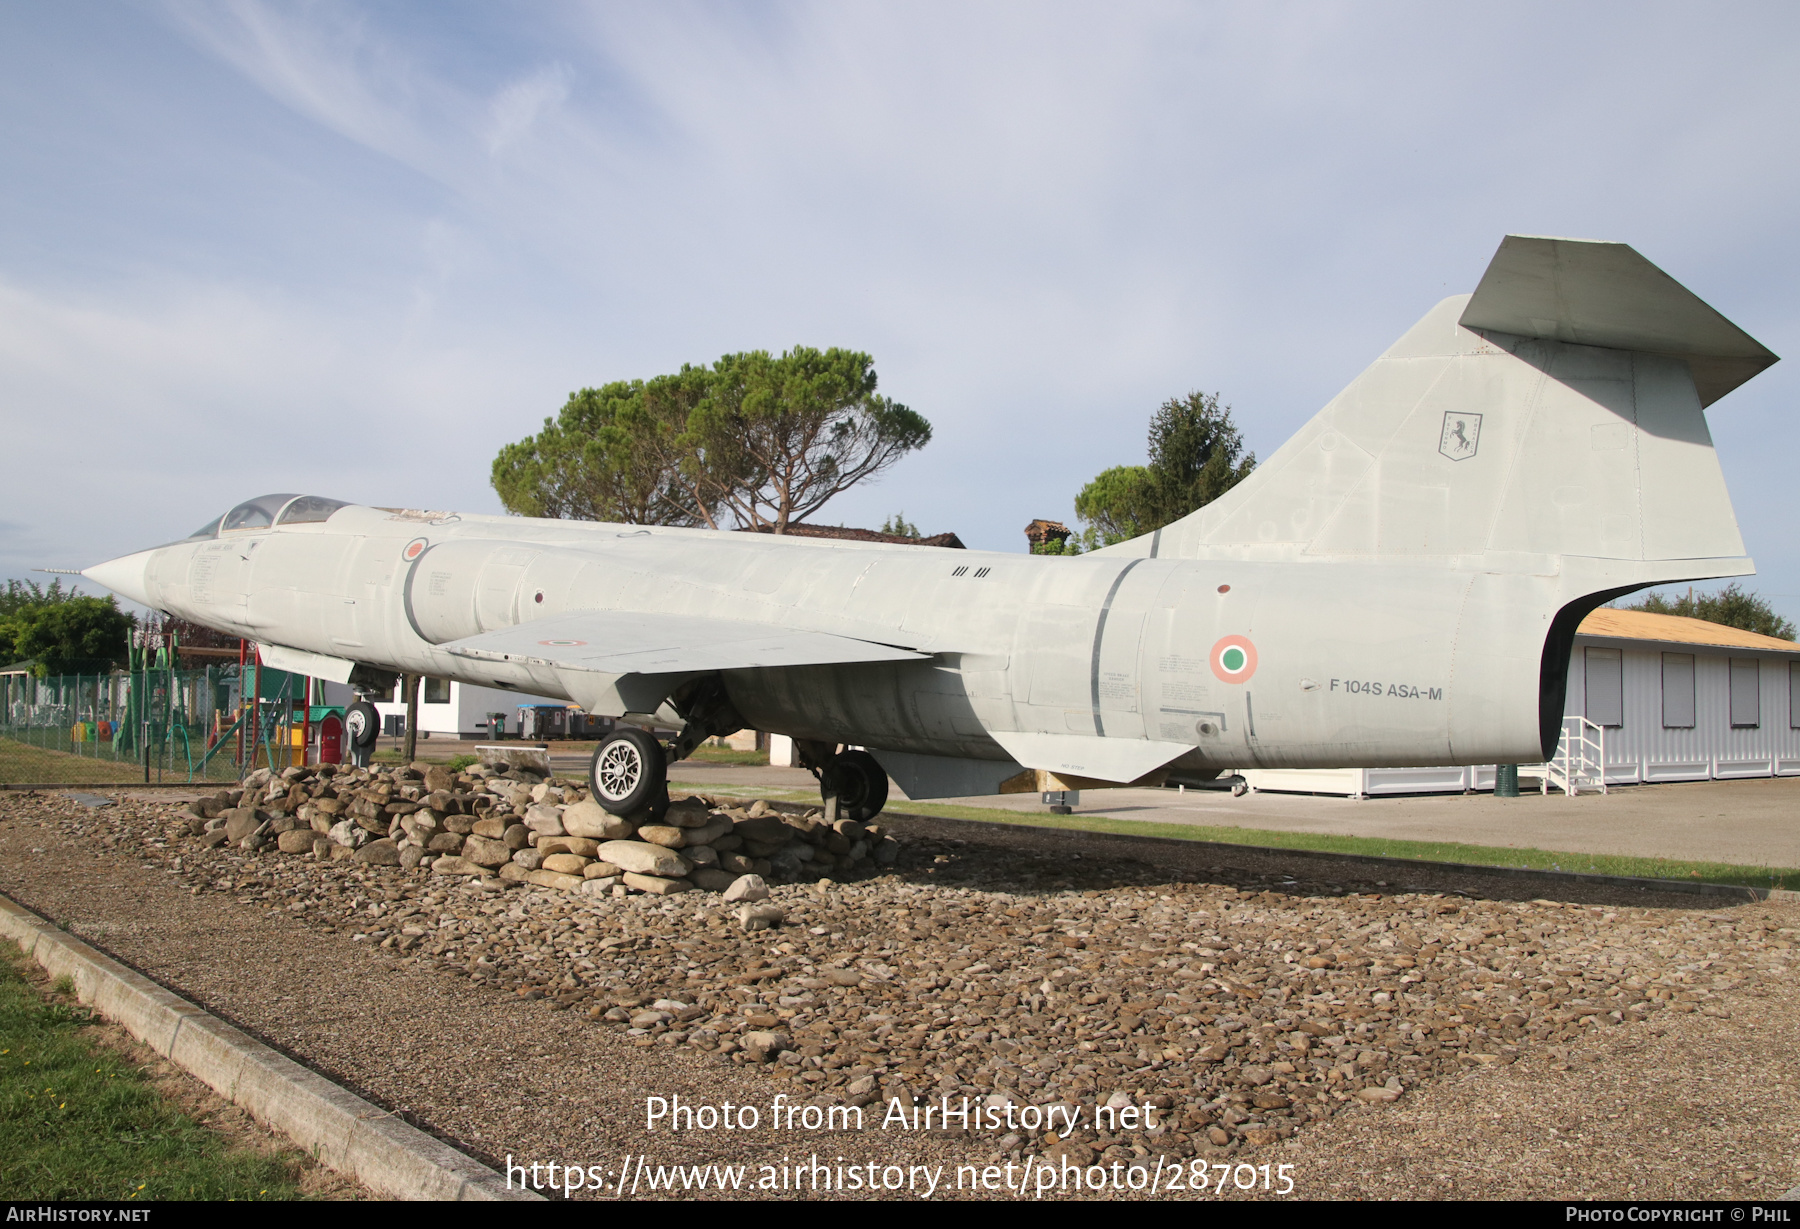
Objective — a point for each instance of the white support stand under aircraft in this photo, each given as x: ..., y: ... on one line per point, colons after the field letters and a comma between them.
x: 1398, y: 584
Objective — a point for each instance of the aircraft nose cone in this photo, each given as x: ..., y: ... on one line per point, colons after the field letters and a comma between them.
x: 125, y: 576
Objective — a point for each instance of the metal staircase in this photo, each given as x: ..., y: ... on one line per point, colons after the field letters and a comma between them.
x: 1580, y: 761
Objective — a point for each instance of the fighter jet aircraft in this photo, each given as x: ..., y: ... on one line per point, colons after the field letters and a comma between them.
x: 1398, y: 584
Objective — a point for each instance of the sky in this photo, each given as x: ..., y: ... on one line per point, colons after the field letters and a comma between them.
x: 353, y: 249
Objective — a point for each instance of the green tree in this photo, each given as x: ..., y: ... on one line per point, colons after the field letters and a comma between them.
x: 776, y: 438
x: 25, y: 594
x: 1731, y: 606
x: 766, y: 440
x: 1119, y: 504
x: 64, y: 631
x: 19, y: 603
x: 609, y: 455
x: 900, y: 527
x: 1196, y: 455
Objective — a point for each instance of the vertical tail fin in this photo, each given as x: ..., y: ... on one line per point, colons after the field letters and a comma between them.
x: 1554, y: 416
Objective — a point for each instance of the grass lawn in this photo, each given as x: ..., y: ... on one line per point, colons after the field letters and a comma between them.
x: 1424, y: 851
x: 725, y: 755
x: 77, y: 1121
x: 22, y: 763
x: 679, y: 788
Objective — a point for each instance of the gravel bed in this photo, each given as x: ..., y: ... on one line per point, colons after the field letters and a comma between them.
x: 1385, y: 1038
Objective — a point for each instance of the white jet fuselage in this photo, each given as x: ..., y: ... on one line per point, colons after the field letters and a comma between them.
x: 1398, y: 584
x: 1346, y: 663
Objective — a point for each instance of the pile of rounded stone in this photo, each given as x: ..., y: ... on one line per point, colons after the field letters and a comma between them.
x: 514, y: 825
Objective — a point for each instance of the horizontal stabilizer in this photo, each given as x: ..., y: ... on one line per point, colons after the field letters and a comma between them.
x: 1605, y: 294
x: 625, y: 642
x: 1084, y: 755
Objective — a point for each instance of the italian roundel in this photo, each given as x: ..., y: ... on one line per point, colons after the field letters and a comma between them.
x: 414, y: 549
x: 1233, y: 660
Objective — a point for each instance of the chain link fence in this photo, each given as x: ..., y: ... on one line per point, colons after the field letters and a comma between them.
x: 156, y: 725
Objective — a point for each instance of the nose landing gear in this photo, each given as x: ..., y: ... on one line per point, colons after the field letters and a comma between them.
x: 362, y: 722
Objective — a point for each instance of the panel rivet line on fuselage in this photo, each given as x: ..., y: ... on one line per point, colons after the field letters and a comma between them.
x: 1099, y: 635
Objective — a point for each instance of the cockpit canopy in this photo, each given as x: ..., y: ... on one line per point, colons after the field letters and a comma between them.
x: 271, y: 510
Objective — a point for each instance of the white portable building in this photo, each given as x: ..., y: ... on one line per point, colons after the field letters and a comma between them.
x: 1675, y: 700
x: 1686, y: 700
x: 449, y: 709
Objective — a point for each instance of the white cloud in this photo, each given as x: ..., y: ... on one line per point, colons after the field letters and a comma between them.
x: 516, y: 109
x: 326, y: 62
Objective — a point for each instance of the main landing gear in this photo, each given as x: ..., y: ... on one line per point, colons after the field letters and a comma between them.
x: 630, y: 769
x: 859, y: 784
x: 851, y: 783
x: 630, y: 773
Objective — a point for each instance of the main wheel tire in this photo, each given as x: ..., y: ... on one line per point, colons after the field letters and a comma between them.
x: 859, y: 782
x: 628, y: 772
x: 362, y: 724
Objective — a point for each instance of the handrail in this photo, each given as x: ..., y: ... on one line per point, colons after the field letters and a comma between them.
x: 1580, y: 759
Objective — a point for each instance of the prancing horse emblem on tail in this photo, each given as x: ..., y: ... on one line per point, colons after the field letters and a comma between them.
x: 1462, y: 432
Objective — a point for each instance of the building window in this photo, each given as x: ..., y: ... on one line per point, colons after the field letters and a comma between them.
x: 1746, y: 693
x: 437, y: 691
x: 1605, y: 687
x: 1678, y: 691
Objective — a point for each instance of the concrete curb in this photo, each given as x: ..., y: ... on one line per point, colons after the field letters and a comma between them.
x: 1743, y: 894
x: 339, y: 1128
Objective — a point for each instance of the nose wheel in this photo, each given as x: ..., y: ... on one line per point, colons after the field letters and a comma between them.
x: 629, y: 773
x: 362, y: 722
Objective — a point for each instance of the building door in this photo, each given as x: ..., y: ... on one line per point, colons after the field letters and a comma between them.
x: 331, y: 739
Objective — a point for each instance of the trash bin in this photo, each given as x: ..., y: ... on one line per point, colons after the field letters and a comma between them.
x: 1506, y: 781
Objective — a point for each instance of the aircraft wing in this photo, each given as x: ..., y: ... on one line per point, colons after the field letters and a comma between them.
x: 620, y: 642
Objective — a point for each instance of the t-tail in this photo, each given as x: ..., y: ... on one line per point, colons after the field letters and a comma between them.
x: 1544, y: 436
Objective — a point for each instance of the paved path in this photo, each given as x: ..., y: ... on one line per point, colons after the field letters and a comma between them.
x: 1752, y: 822
x: 1755, y: 823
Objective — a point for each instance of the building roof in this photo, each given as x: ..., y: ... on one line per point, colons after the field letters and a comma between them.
x: 799, y: 530
x: 1674, y: 629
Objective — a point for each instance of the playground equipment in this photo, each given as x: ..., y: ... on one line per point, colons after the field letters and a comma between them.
x: 156, y: 722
